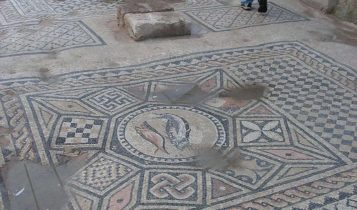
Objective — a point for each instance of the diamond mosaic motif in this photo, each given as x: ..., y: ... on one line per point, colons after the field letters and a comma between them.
x: 34, y: 7
x: 102, y: 173
x: 10, y: 15
x: 200, y: 3
x: 44, y: 39
x: 82, y: 6
x: 61, y: 8
x: 228, y: 18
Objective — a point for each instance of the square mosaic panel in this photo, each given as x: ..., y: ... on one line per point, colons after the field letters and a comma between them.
x: 171, y: 186
x: 79, y: 131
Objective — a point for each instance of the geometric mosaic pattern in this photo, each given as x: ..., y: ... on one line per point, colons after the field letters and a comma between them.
x: 321, y: 104
x: 79, y: 131
x: 87, y: 7
x: 22, y: 31
x: 110, y: 100
x: 101, y: 173
x: 44, y: 39
x: 53, y: 7
x: 169, y: 186
x: 261, y: 131
x: 222, y: 18
x: 200, y: 3
x: 22, y: 11
x: 9, y: 15
x: 44, y: 26
x: 31, y: 8
x: 143, y: 137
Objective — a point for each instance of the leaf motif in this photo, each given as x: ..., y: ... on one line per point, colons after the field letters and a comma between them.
x: 252, y: 136
x: 270, y: 125
x: 273, y: 135
x: 250, y: 125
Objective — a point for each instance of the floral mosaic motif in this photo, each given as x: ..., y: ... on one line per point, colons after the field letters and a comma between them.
x: 262, y: 131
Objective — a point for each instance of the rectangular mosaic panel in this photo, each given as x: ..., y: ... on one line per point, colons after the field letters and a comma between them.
x: 59, y: 35
x: 223, y: 18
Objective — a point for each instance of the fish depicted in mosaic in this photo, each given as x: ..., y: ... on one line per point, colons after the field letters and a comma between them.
x: 150, y: 134
x: 177, y: 129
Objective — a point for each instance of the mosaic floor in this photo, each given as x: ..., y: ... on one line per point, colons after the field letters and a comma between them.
x: 294, y: 151
x: 45, y: 26
x: 143, y: 127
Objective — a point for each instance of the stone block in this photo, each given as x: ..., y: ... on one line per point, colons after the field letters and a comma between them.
x: 326, y: 6
x: 156, y: 24
x: 141, y: 6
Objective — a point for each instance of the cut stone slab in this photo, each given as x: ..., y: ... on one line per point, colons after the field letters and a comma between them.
x: 156, y: 24
x: 141, y: 6
x: 326, y: 6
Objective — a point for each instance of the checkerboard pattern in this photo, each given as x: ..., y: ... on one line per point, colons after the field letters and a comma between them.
x: 319, y: 103
x: 79, y: 131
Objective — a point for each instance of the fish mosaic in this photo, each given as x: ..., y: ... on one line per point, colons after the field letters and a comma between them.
x: 177, y: 129
x: 150, y: 134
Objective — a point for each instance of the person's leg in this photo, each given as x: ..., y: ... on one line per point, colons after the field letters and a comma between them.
x: 246, y: 4
x: 263, y: 6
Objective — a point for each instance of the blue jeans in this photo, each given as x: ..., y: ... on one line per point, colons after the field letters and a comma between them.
x: 246, y: 1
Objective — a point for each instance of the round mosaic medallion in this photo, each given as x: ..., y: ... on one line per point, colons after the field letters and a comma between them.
x: 170, y: 133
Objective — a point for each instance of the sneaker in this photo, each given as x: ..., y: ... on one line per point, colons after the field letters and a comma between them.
x: 246, y: 6
x: 263, y: 6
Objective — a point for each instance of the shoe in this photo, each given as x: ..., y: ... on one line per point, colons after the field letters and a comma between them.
x: 263, y: 6
x: 246, y: 6
x: 262, y: 9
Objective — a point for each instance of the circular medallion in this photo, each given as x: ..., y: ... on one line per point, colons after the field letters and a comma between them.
x: 170, y: 133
